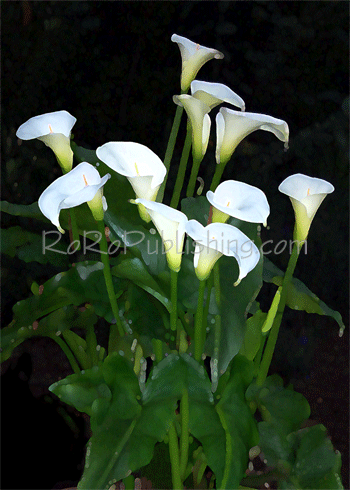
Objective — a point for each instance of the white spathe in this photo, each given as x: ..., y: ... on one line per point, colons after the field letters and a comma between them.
x: 170, y: 224
x: 193, y: 56
x: 217, y: 239
x: 239, y: 200
x: 214, y: 94
x: 79, y: 185
x: 197, y: 112
x: 54, y: 129
x: 142, y: 167
x: 306, y: 194
x: 233, y: 126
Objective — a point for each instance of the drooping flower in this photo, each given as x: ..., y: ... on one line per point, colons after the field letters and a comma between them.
x: 197, y: 112
x: 82, y: 184
x: 194, y: 56
x: 239, y: 200
x: 217, y: 239
x: 142, y: 167
x: 233, y: 126
x: 170, y: 224
x: 306, y: 194
x: 214, y: 94
x: 54, y: 129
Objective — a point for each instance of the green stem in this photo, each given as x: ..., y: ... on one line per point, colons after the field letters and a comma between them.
x: 217, y: 333
x: 182, y: 169
x: 76, y: 348
x: 198, y: 324
x: 158, y: 349
x: 68, y: 353
x: 75, y: 232
x: 217, y: 176
x: 272, y: 339
x: 91, y: 344
x: 173, y: 313
x: 184, y: 438
x: 113, y: 333
x: 174, y: 458
x: 170, y: 149
x: 193, y: 177
x: 210, y: 283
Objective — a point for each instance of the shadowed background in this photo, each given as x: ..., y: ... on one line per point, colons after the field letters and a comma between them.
x: 112, y: 65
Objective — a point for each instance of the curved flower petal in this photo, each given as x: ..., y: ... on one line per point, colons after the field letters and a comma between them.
x: 194, y: 56
x: 214, y: 94
x: 306, y: 194
x: 170, y: 224
x: 72, y: 189
x: 233, y: 126
x: 240, y: 200
x: 197, y: 112
x: 143, y: 168
x: 218, y: 239
x: 54, y: 130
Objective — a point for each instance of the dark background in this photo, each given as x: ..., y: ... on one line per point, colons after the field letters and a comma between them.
x: 112, y: 65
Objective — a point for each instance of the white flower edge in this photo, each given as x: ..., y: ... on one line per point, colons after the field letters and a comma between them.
x: 240, y: 200
x: 72, y: 189
x: 218, y: 239
x: 233, y: 126
x: 59, y: 122
x: 214, y: 94
x: 193, y: 56
x: 170, y: 224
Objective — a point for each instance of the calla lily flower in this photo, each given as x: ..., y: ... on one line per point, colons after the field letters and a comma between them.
x: 233, y: 126
x: 214, y: 94
x: 143, y: 168
x: 197, y: 112
x: 194, y: 56
x: 82, y: 184
x: 306, y: 194
x: 240, y: 200
x: 170, y: 224
x: 217, y: 239
x: 54, y: 130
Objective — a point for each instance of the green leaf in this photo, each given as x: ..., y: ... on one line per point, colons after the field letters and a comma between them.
x: 31, y: 247
x: 53, y: 324
x: 253, y: 335
x: 81, y: 390
x: 25, y: 211
x: 299, y: 297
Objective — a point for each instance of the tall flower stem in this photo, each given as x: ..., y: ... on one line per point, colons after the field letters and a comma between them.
x: 68, y: 353
x: 182, y: 169
x: 219, y: 170
x: 174, y: 458
x: 272, y: 339
x: 193, y: 177
x: 198, y: 323
x: 184, y: 438
x: 113, y: 333
x: 173, y: 313
x: 217, y: 333
x: 170, y: 149
x: 74, y: 227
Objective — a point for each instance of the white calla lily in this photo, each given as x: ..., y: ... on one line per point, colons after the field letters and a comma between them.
x: 54, y: 129
x: 239, y: 200
x: 233, y: 126
x: 170, y: 224
x: 142, y: 167
x: 306, y: 194
x: 214, y: 94
x: 194, y: 56
x: 197, y: 112
x: 217, y: 239
x: 82, y: 184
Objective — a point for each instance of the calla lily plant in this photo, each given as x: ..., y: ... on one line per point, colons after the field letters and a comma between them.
x: 239, y: 200
x: 54, y: 129
x: 217, y: 239
x: 82, y: 184
x: 194, y: 56
x: 142, y: 167
x: 306, y: 194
